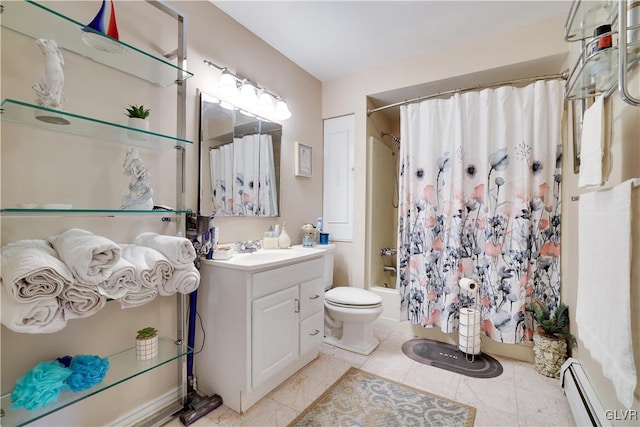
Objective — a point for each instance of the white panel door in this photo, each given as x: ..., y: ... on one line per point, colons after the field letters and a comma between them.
x: 337, y: 200
x: 275, y: 333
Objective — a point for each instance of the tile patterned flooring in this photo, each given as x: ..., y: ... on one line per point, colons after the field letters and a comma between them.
x: 518, y: 397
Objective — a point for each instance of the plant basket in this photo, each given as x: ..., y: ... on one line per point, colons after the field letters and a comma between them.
x: 147, y: 348
x: 550, y: 353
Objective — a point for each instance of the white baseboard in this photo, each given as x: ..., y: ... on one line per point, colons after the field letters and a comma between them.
x: 146, y: 410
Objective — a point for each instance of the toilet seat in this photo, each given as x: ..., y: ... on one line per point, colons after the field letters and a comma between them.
x: 350, y: 297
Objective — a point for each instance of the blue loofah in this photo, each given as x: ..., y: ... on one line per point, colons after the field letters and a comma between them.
x: 40, y: 386
x: 87, y: 371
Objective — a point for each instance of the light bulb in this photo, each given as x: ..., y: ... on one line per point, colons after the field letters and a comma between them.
x: 282, y: 111
x: 227, y: 86
x: 266, y: 104
x: 248, y: 96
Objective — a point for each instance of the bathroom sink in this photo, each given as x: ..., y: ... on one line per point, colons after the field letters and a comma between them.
x: 268, y: 258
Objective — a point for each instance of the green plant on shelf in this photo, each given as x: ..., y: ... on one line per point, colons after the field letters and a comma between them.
x: 138, y: 112
x: 148, y: 332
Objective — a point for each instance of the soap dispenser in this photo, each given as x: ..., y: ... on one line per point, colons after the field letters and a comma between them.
x: 284, y: 241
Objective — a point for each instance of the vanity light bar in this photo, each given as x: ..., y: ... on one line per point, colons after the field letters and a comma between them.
x: 246, y: 95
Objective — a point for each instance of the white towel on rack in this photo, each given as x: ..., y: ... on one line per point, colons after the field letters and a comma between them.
x: 32, y: 271
x: 122, y: 280
x: 603, y: 313
x: 178, y: 250
x: 80, y: 300
x: 138, y: 298
x: 184, y: 281
x: 36, y: 317
x: 90, y: 258
x: 152, y: 268
x: 592, y: 143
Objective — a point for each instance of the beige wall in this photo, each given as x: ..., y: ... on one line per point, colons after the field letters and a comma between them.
x: 35, y: 162
x: 625, y: 164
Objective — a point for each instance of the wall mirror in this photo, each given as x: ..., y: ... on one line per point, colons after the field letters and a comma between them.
x: 239, y: 165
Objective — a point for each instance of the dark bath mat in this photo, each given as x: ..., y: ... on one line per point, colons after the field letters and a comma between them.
x: 449, y: 357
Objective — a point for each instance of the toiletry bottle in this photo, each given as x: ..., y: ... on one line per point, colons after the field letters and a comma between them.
x: 284, y: 241
x: 319, y: 229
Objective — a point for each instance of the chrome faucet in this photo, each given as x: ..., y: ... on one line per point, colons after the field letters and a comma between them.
x: 248, y: 246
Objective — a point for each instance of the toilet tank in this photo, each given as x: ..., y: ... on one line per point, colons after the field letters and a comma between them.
x: 328, y: 264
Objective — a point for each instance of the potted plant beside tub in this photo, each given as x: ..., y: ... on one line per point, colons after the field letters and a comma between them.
x: 147, y: 343
x: 550, y: 340
x: 138, y: 120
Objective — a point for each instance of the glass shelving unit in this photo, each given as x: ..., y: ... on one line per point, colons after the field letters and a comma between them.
x: 63, y: 121
x: 596, y: 72
x: 37, y: 21
x: 123, y: 366
x: 585, y: 16
x: 22, y: 212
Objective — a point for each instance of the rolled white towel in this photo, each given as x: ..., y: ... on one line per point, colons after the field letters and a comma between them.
x: 178, y: 250
x: 152, y: 268
x: 122, y: 280
x: 80, y: 300
x: 138, y: 298
x: 42, y: 316
x: 90, y: 258
x: 184, y: 280
x: 32, y: 271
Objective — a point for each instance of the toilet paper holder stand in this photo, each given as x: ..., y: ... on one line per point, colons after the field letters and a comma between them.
x: 469, y: 322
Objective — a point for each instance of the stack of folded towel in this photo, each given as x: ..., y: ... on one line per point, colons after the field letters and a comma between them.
x: 32, y: 279
x: 181, y: 254
x: 71, y: 275
x: 122, y: 281
x: 90, y: 258
x: 32, y: 271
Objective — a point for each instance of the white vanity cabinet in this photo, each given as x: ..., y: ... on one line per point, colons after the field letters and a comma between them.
x: 261, y: 325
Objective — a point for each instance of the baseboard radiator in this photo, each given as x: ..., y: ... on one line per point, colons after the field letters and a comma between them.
x: 583, y: 401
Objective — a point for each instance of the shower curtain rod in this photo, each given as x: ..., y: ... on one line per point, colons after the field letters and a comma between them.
x: 562, y: 75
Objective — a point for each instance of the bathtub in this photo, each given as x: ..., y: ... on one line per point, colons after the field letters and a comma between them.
x: 390, y: 317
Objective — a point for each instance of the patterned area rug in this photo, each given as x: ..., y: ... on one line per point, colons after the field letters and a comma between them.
x: 359, y: 398
x: 449, y: 357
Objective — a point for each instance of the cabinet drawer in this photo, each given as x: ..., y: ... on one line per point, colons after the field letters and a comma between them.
x: 311, y: 332
x: 311, y: 297
x: 270, y: 281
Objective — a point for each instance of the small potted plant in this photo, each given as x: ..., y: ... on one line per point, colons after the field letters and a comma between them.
x: 147, y: 343
x: 138, y: 120
x: 551, y: 338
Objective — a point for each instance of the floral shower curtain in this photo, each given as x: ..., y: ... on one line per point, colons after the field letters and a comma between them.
x: 243, y: 177
x: 480, y: 198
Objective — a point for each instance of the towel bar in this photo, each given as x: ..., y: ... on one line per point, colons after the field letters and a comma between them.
x: 635, y: 183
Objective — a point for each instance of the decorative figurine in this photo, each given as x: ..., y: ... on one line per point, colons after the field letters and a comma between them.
x: 97, y: 23
x: 93, y: 34
x: 139, y: 195
x: 49, y: 89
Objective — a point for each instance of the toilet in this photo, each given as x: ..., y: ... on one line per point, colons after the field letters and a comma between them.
x: 349, y: 313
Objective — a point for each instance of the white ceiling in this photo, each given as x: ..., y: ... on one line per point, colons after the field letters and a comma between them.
x: 331, y: 39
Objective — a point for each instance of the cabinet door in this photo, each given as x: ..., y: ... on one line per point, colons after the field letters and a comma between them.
x: 311, y: 333
x: 338, y: 177
x: 275, y: 328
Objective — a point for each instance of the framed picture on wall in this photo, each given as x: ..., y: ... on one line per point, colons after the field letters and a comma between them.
x: 303, y: 160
